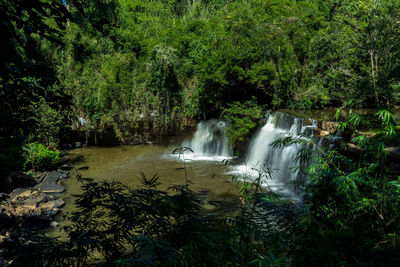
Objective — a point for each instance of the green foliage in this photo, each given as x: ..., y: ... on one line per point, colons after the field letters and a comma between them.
x: 242, y: 118
x: 168, y: 61
x: 350, y: 208
x: 351, y: 55
x: 144, y: 226
x: 39, y: 157
x: 31, y: 102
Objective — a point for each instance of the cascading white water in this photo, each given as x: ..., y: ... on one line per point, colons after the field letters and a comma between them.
x: 209, y: 142
x: 262, y: 157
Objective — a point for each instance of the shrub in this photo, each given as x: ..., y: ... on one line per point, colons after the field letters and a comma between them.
x: 243, y: 118
x: 39, y: 156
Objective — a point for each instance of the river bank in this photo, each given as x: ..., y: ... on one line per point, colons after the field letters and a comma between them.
x: 29, y: 209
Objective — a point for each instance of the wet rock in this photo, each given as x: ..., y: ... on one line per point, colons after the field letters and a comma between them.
x: 27, y: 197
x: 26, y: 212
x: 50, y: 183
x: 54, y: 224
x: 51, y: 208
x: 23, y: 210
x: 329, y: 126
x: 35, y: 199
x: 321, y: 133
x: 19, y: 193
x: 41, y: 177
x: 27, y: 203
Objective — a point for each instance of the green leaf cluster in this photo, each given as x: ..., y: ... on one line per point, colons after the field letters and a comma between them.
x: 39, y: 157
x: 242, y: 118
x: 351, y: 204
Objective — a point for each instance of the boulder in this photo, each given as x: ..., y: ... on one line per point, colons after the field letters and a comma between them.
x: 20, y: 193
x: 30, y: 202
x: 320, y: 132
x: 54, y: 224
x: 329, y: 126
x: 26, y: 196
x: 50, y: 183
x: 51, y: 208
x: 25, y: 210
x: 35, y: 199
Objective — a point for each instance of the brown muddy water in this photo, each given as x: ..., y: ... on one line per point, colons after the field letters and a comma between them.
x: 125, y: 163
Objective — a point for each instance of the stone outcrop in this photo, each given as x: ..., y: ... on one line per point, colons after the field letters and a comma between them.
x: 325, y: 128
x: 321, y: 133
x: 52, y: 182
x: 25, y: 202
x: 329, y: 126
x: 36, y: 201
x: 27, y: 210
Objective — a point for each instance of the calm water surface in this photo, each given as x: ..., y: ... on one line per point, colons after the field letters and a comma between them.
x: 125, y: 163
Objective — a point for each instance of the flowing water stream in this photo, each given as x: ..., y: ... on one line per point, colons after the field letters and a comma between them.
x: 205, y: 166
x: 209, y: 142
x: 211, y: 178
x: 278, y: 165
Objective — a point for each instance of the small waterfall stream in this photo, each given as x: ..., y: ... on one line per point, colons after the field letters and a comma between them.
x: 209, y: 142
x: 262, y: 157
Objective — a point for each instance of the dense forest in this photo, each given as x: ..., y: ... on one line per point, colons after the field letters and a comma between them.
x: 110, y: 64
x: 114, y: 62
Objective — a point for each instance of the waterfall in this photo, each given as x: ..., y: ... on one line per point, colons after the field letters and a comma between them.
x: 209, y: 142
x: 278, y: 162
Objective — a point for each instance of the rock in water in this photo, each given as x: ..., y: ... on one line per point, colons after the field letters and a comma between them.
x: 50, y: 183
x: 54, y: 224
x: 51, y: 208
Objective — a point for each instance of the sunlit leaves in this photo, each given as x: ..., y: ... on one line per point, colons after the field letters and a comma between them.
x: 242, y: 118
x: 387, y: 121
